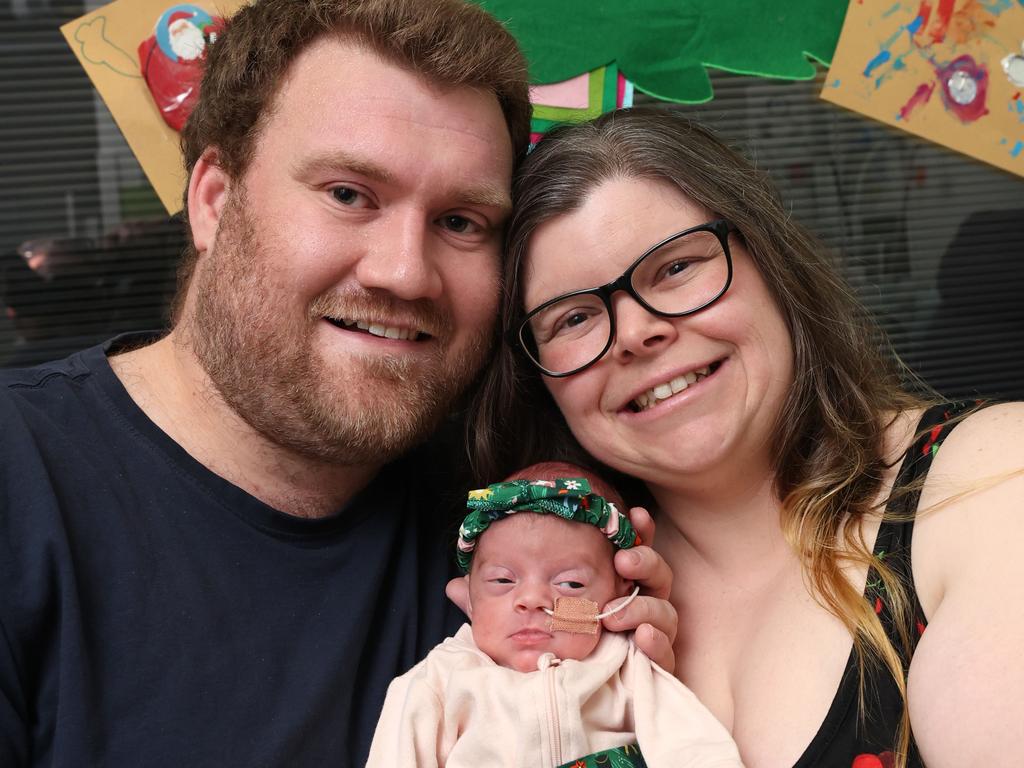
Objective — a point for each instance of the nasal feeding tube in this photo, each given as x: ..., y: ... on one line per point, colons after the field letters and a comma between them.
x: 579, y: 615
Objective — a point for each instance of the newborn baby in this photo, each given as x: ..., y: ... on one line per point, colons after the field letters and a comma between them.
x: 535, y: 680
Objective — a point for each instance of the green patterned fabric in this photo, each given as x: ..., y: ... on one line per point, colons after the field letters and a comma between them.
x: 568, y: 497
x: 619, y: 757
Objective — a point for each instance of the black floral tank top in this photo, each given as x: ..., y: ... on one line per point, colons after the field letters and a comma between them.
x: 846, y: 739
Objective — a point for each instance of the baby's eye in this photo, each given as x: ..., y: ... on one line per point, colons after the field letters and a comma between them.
x: 570, y: 584
x: 501, y: 580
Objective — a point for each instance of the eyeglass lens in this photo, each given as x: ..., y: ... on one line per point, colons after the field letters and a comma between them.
x: 678, y: 277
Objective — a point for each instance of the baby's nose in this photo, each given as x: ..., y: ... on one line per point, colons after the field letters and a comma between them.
x: 532, y: 597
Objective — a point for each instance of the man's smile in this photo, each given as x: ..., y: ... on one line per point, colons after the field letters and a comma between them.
x: 380, y: 329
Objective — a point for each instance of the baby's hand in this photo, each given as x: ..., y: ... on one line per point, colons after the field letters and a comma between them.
x: 650, y: 614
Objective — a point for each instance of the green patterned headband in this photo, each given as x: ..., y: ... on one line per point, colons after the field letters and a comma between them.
x: 570, y: 498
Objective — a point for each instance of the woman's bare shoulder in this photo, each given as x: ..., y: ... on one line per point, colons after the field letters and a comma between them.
x: 968, y: 570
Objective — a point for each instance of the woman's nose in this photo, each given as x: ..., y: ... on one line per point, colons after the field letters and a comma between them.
x: 639, y: 332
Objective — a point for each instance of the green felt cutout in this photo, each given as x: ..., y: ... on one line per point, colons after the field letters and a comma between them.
x: 665, y: 46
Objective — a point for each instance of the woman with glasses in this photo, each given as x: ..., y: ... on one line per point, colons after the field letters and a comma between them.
x: 665, y: 317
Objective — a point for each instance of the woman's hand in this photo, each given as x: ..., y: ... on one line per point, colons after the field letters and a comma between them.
x: 651, y: 615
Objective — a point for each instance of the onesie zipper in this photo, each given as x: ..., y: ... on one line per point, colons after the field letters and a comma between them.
x: 554, y: 719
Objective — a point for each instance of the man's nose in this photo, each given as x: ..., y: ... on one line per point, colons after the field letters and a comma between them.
x: 399, y: 258
x: 639, y: 332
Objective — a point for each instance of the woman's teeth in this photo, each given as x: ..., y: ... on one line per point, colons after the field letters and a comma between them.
x: 652, y: 397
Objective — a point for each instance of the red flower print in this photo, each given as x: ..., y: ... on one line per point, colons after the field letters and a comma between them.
x: 936, y: 431
x: 881, y: 760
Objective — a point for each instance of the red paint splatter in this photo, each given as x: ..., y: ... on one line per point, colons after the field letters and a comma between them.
x: 924, y: 12
x: 1016, y: 96
x: 920, y: 627
x: 944, y: 15
x: 967, y: 113
x: 921, y: 96
x: 878, y: 605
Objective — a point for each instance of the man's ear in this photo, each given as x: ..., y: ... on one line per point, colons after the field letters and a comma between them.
x: 208, y: 190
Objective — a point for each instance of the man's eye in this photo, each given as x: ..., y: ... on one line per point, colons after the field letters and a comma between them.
x: 570, y: 584
x: 459, y: 224
x: 348, y: 196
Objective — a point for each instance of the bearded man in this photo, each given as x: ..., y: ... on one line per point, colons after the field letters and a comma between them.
x: 217, y: 547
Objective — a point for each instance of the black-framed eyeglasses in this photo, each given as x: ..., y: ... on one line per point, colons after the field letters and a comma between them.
x: 682, y: 274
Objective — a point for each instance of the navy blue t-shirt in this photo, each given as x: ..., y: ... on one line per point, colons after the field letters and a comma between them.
x: 154, y: 614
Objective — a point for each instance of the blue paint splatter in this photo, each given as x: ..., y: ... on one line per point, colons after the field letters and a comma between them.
x: 996, y: 7
x: 1015, y: 152
x: 876, y: 62
x: 834, y: 83
x: 915, y: 25
x: 898, y: 63
x: 891, y: 11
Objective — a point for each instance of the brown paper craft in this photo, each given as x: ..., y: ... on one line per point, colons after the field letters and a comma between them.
x: 106, y: 41
x: 951, y: 71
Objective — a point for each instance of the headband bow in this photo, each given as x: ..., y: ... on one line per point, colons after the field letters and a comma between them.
x: 569, y: 498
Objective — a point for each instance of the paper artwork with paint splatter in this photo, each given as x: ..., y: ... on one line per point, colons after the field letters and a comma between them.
x: 951, y: 71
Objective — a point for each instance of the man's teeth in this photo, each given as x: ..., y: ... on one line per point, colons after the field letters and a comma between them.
x: 651, y: 397
x: 384, y: 331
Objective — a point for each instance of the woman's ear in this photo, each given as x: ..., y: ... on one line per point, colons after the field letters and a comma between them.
x: 208, y: 190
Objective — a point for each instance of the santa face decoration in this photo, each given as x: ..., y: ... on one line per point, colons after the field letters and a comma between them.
x: 171, y: 59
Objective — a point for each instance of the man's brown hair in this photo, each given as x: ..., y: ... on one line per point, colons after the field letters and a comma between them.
x: 450, y: 43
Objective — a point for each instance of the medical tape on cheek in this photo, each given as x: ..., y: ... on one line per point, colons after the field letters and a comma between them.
x: 579, y: 615
x: 574, y: 614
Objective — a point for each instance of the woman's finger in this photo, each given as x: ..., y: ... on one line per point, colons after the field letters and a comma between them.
x: 660, y: 615
x: 647, y: 568
x: 643, y: 524
x: 656, y: 646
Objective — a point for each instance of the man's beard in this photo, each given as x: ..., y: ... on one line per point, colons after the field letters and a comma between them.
x: 263, y: 363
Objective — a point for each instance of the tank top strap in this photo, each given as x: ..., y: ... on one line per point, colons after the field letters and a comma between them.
x: 895, y: 535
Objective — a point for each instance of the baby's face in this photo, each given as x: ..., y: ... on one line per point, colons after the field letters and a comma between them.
x: 520, y: 565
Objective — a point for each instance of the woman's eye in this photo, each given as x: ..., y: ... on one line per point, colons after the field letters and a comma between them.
x: 570, y: 321
x: 676, y: 267
x: 570, y: 584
